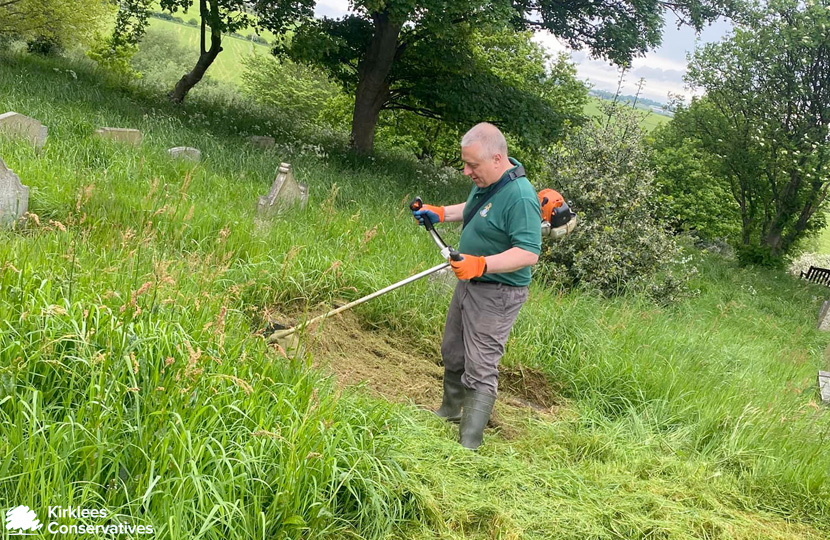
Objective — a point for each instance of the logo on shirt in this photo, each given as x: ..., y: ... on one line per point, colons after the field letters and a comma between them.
x: 485, y: 210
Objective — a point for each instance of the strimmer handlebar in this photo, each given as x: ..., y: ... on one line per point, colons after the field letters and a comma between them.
x: 446, y: 251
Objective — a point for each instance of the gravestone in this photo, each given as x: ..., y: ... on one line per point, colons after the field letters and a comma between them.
x: 186, y: 152
x: 14, y: 196
x: 824, y: 385
x: 18, y: 125
x: 285, y: 191
x: 124, y: 135
x: 824, y: 316
x: 262, y: 141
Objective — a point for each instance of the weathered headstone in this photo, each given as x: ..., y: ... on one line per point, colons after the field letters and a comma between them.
x: 14, y: 196
x: 262, y: 141
x: 18, y: 125
x: 185, y: 152
x: 285, y: 191
x: 824, y: 385
x: 824, y: 316
x: 125, y: 135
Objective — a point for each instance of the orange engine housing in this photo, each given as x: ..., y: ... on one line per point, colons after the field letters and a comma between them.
x: 549, y: 200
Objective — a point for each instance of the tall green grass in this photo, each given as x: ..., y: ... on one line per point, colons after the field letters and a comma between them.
x: 131, y: 378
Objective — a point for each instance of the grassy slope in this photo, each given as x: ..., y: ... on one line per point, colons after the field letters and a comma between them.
x: 823, y: 244
x: 693, y: 421
x: 228, y: 65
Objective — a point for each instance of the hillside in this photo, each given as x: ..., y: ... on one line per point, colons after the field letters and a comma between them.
x: 134, y: 375
x: 228, y: 65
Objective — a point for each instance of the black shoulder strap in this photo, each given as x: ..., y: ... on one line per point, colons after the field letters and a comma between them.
x: 517, y: 172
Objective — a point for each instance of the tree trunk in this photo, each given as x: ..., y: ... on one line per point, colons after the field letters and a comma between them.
x: 206, y: 57
x: 372, y: 86
x: 773, y: 240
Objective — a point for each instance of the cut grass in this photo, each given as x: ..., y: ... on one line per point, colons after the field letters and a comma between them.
x: 131, y: 377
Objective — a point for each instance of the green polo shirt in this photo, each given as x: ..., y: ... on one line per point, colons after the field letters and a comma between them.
x: 510, y: 218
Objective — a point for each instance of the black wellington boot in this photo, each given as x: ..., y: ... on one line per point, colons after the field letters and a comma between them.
x: 477, y: 409
x: 453, y: 399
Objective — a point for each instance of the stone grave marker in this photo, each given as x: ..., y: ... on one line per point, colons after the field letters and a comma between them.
x: 823, y: 318
x: 14, y: 196
x: 262, y: 141
x: 824, y: 385
x: 285, y: 191
x: 185, y: 152
x: 125, y: 135
x: 18, y: 125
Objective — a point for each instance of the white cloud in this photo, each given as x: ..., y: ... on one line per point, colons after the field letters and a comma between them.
x: 662, y: 69
x: 331, y: 8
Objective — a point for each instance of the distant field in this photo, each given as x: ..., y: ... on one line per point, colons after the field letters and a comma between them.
x: 650, y: 120
x: 228, y: 65
x: 824, y: 242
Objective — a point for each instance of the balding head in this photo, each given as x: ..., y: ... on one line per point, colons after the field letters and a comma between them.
x: 489, y: 137
x: 484, y: 153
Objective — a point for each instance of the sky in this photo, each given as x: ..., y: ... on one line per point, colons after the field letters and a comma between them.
x: 663, y: 68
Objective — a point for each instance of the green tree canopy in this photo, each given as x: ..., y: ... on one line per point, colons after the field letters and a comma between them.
x: 692, y: 195
x: 417, y: 54
x: 764, y: 122
x: 466, y: 76
x: 60, y: 21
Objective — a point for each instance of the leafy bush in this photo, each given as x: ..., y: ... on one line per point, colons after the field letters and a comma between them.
x: 168, y: 17
x: 44, y: 46
x: 305, y: 91
x: 759, y: 255
x: 690, y: 196
x: 618, y: 244
x: 113, y: 57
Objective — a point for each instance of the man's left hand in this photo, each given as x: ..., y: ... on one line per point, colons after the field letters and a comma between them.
x: 469, y: 267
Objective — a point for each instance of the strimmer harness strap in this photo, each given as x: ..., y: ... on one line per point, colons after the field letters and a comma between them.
x: 517, y: 172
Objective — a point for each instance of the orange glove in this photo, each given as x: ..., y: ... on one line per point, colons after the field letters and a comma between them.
x: 435, y: 214
x: 469, y: 267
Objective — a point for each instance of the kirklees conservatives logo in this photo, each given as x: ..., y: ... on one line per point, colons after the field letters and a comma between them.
x: 22, y: 520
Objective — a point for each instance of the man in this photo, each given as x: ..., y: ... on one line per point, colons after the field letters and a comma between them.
x: 500, y: 241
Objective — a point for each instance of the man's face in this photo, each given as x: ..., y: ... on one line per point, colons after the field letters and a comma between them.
x: 483, y: 171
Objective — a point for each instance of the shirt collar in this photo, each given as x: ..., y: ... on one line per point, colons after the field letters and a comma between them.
x: 503, y: 178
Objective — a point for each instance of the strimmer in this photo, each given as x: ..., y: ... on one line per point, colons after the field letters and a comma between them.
x: 446, y: 251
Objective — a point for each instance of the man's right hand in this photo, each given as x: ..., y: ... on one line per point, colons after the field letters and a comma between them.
x: 435, y: 214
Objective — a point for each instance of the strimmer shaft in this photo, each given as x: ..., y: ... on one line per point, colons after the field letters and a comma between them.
x: 279, y: 334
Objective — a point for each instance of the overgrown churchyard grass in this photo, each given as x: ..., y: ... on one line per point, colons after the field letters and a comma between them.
x: 131, y: 377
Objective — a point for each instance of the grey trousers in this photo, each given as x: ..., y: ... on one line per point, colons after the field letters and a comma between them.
x: 478, y: 324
